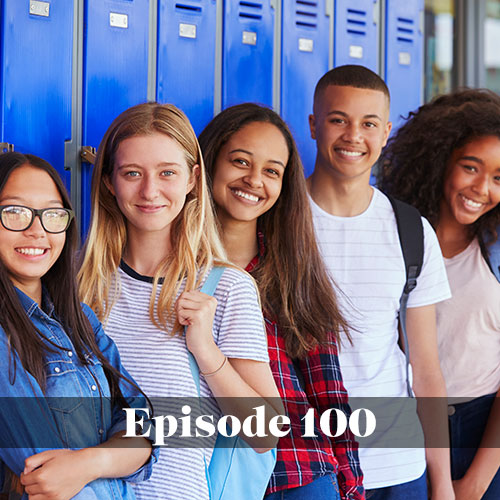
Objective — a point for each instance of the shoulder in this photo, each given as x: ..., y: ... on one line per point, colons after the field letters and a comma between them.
x: 91, y: 316
x: 235, y: 281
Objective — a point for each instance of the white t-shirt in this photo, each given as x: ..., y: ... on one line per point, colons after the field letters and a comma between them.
x: 363, y: 256
x: 160, y: 365
x: 469, y: 327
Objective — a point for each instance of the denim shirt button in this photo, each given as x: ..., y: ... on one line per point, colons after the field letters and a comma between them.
x: 70, y: 354
x: 94, y: 387
x: 57, y: 369
x: 101, y: 432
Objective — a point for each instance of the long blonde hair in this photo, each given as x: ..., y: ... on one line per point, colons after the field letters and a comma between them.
x: 195, y: 240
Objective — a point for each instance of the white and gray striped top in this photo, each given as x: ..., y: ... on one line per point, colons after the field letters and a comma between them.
x: 159, y: 363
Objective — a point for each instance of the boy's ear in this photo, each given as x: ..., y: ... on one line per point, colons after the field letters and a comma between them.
x: 108, y: 184
x: 388, y: 128
x: 312, y: 126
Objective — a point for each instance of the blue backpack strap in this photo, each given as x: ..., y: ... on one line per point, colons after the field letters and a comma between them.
x: 491, y: 254
x: 209, y: 288
x: 411, y: 237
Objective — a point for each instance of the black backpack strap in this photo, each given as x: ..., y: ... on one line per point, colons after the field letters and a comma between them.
x: 411, y: 237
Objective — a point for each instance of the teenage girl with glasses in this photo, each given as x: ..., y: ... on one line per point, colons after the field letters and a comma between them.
x: 62, y: 427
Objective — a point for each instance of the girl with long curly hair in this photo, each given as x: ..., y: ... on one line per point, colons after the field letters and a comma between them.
x: 445, y: 161
x: 260, y: 194
x: 151, y: 245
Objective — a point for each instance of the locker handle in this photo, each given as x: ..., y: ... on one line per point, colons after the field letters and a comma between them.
x: 6, y: 147
x: 88, y: 154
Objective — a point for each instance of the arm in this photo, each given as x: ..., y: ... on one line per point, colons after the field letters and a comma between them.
x: 239, y: 384
x: 486, y: 462
x: 325, y: 389
x: 61, y: 474
x: 429, y: 387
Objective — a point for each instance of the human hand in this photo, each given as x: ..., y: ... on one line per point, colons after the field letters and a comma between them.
x: 196, y: 311
x: 55, y: 475
x: 466, y: 490
x: 442, y: 492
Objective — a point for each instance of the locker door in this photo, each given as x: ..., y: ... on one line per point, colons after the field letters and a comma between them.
x: 247, y: 60
x: 115, y: 71
x: 356, y: 33
x: 36, y: 43
x: 404, y: 56
x: 304, y: 61
x: 186, y: 57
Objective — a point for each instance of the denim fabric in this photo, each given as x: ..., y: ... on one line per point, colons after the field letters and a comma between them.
x: 75, y: 411
x: 413, y: 490
x: 324, y: 488
x: 467, y: 424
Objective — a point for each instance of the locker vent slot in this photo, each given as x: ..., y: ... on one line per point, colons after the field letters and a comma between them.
x: 405, y: 29
x: 356, y: 22
x: 250, y: 10
x: 187, y: 7
x: 306, y: 12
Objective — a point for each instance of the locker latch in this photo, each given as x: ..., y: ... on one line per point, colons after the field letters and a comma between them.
x: 5, y: 147
x: 87, y: 154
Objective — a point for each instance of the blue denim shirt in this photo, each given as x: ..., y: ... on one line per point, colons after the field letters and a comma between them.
x: 75, y: 411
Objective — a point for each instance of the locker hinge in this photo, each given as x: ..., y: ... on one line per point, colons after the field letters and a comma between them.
x: 5, y: 147
x: 87, y: 154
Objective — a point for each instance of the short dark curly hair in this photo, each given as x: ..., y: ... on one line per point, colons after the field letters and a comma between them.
x: 413, y: 165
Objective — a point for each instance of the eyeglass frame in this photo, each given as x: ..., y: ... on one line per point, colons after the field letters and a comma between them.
x: 37, y: 212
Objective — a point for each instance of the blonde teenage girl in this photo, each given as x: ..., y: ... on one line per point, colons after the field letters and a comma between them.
x: 151, y: 243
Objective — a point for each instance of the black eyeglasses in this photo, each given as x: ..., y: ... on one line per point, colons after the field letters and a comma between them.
x: 20, y: 218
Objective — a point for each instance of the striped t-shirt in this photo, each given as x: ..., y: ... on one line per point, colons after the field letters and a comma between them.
x: 160, y: 365
x: 364, y: 257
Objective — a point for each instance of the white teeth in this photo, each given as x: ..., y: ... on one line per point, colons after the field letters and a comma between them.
x: 350, y: 153
x: 247, y: 196
x: 470, y: 203
x: 30, y: 251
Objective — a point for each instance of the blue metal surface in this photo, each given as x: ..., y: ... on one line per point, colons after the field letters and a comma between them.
x: 404, y: 57
x: 35, y: 79
x: 304, y: 60
x: 115, y: 71
x: 247, y: 60
x: 355, y: 34
x: 186, y: 57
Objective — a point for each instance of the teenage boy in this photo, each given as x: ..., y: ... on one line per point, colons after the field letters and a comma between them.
x: 358, y: 237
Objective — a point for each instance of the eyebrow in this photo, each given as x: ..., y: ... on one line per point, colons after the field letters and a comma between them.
x: 472, y: 158
x: 18, y: 198
x: 160, y: 165
x: 336, y: 112
x: 239, y: 150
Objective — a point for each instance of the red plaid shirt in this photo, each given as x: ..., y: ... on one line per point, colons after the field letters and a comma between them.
x: 302, y: 460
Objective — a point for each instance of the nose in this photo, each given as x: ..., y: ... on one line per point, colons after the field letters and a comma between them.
x: 253, y: 178
x: 481, y: 186
x: 352, y: 133
x: 36, y: 229
x: 149, y: 188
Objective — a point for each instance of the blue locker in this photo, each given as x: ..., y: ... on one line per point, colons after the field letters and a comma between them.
x: 186, y: 57
x: 36, y: 41
x: 356, y: 33
x: 247, y: 59
x: 404, y: 57
x: 305, y: 50
x: 115, y: 71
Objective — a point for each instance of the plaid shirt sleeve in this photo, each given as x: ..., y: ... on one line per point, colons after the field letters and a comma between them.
x: 325, y: 389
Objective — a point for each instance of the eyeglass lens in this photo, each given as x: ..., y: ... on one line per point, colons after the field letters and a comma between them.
x: 54, y: 220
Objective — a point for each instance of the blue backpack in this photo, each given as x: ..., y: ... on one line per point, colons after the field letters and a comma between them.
x: 236, y: 471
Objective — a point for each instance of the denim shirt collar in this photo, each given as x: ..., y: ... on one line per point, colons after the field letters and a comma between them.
x: 30, y: 306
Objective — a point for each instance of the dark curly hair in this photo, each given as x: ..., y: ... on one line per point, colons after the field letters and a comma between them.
x: 414, y: 163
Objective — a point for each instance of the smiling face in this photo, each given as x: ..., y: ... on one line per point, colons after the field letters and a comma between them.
x: 249, y: 172
x: 29, y: 254
x: 472, y: 182
x: 150, y: 182
x: 350, y: 126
